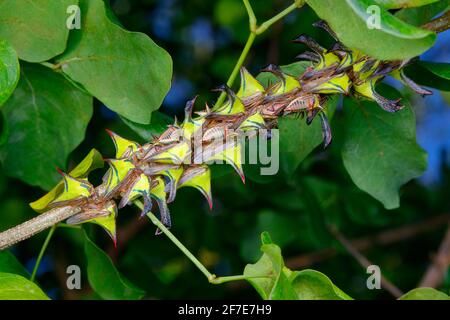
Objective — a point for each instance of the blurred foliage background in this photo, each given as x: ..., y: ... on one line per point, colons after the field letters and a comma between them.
x: 205, y: 39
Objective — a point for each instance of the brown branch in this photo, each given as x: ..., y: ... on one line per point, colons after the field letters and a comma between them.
x: 440, y: 24
x: 435, y: 274
x: 37, y: 224
x: 364, y: 262
x: 381, y: 239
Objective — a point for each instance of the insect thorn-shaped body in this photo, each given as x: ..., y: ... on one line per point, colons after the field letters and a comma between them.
x: 154, y: 171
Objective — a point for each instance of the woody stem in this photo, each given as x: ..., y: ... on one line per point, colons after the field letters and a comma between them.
x: 37, y: 224
x: 440, y: 24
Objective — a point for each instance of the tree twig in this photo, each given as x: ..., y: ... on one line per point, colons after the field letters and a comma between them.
x: 440, y: 24
x: 435, y: 274
x: 383, y: 238
x: 364, y: 262
x: 37, y: 224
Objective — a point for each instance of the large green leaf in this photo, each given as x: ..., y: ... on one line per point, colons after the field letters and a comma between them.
x: 10, y: 264
x: 273, y: 281
x: 397, y: 4
x: 104, y: 278
x: 424, y: 294
x: 394, y: 40
x: 314, y: 285
x: 268, y: 277
x: 421, y: 15
x: 421, y: 74
x: 35, y: 28
x: 316, y: 194
x: 441, y: 70
x: 9, y: 70
x: 47, y: 118
x: 125, y: 70
x: 380, y: 151
x: 158, y: 125
x: 15, y: 287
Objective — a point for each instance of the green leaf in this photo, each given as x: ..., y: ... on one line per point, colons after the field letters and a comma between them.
x: 47, y: 118
x: 397, y: 4
x: 268, y: 277
x: 158, y: 125
x: 35, y: 28
x: 273, y: 281
x: 125, y: 70
x: 9, y: 71
x: 424, y: 294
x: 15, y: 287
x: 318, y: 197
x: 380, y: 151
x: 10, y: 264
x: 92, y: 161
x: 314, y: 285
x: 265, y: 238
x: 442, y: 70
x: 104, y: 278
x: 425, y: 77
x: 422, y: 15
x: 394, y: 40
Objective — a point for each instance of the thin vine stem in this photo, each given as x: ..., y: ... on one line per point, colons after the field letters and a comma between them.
x: 68, y: 226
x: 212, y: 278
x: 251, y: 16
x: 237, y: 67
x: 254, y: 32
x: 41, y: 253
x: 177, y: 242
x: 220, y: 280
x: 266, y: 24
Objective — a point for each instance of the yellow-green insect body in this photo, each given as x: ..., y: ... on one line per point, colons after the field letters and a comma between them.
x: 175, y: 154
x: 173, y: 175
x: 117, y: 172
x: 327, y: 60
x: 140, y: 187
x: 230, y: 153
x: 249, y: 85
x: 253, y: 122
x: 159, y: 194
x: 104, y: 216
x: 74, y: 189
x: 336, y: 85
x: 123, y: 146
x: 198, y: 177
x: 232, y: 106
x: 287, y: 84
